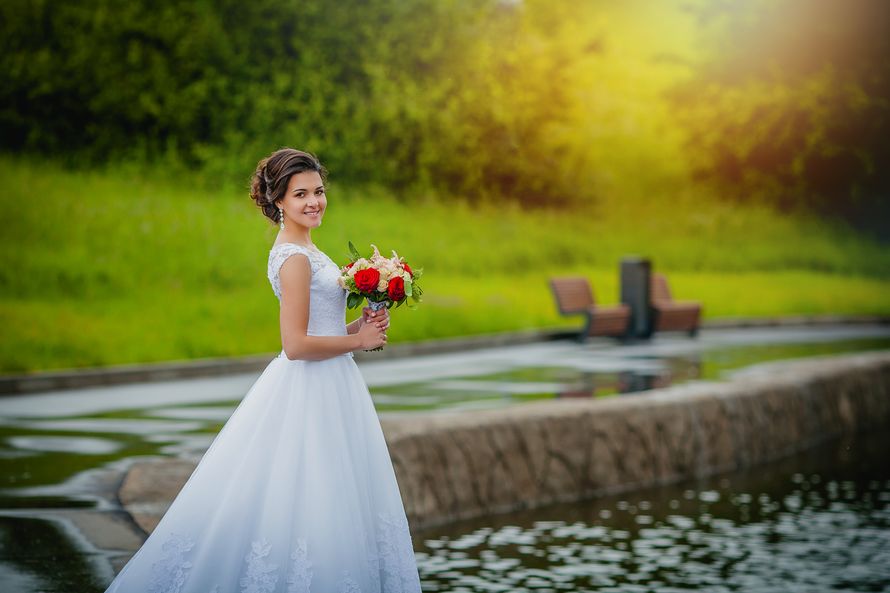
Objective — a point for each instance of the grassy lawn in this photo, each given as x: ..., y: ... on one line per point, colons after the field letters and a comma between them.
x: 101, y: 268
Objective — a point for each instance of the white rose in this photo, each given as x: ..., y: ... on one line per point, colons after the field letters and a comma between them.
x: 360, y: 264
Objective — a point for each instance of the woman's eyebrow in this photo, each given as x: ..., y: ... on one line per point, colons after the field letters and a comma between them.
x: 305, y: 189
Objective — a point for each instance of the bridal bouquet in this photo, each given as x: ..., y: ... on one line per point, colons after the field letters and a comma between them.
x: 383, y: 281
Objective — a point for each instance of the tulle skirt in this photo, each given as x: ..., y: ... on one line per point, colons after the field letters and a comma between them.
x: 295, y: 494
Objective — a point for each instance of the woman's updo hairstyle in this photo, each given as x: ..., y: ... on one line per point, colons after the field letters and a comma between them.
x: 273, y: 173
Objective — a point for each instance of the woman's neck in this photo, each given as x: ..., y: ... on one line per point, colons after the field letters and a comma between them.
x: 302, y: 239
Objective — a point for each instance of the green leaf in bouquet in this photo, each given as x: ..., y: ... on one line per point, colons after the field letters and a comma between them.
x: 417, y: 274
x: 353, y: 300
x: 353, y: 252
x: 408, y: 287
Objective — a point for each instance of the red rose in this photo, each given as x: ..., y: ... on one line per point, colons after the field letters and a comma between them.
x: 408, y: 269
x: 396, y: 288
x: 366, y: 280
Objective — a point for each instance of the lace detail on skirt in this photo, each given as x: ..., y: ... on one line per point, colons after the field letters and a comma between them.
x: 301, y: 569
x: 396, y: 553
x: 395, y: 556
x: 374, y: 570
x: 262, y: 576
x: 348, y: 584
x: 170, y: 572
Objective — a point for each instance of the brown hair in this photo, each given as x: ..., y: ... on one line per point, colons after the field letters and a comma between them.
x: 269, y: 181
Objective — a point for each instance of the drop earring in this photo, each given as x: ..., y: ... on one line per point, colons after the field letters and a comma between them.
x: 281, y: 218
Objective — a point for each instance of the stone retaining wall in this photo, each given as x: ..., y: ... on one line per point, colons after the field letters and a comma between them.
x: 459, y: 465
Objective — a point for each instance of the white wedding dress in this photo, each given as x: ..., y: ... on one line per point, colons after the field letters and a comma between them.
x: 297, y: 491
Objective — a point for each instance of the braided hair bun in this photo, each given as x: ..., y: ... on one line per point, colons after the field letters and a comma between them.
x: 273, y: 173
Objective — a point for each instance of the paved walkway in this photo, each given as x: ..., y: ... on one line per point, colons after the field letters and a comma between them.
x: 596, y: 355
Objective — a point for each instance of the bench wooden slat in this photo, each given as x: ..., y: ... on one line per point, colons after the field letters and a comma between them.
x: 574, y: 296
x: 670, y: 314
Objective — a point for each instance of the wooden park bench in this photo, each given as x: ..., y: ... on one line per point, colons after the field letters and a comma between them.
x: 671, y: 315
x: 575, y: 297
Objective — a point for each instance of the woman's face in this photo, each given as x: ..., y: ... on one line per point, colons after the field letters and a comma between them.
x: 305, y: 200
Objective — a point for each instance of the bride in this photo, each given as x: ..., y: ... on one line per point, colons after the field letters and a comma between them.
x: 297, y: 491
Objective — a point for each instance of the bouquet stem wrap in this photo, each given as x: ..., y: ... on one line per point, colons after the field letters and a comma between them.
x: 376, y: 306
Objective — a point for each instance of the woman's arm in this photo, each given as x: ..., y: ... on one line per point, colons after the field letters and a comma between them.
x: 295, y: 275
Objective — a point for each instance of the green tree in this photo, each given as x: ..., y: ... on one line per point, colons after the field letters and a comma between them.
x: 793, y: 105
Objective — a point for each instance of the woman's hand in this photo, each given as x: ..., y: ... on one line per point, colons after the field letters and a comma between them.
x: 380, y: 317
x: 371, y: 335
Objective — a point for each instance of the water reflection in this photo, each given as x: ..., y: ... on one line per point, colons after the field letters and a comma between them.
x: 599, y: 375
x: 40, y: 555
x: 598, y: 385
x: 819, y: 521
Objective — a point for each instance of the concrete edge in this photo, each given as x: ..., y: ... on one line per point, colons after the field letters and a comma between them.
x: 461, y: 465
x: 76, y: 378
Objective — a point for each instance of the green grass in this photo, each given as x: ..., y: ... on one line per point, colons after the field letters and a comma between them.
x: 100, y: 268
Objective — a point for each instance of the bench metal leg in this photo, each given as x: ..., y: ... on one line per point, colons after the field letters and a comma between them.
x: 585, y: 332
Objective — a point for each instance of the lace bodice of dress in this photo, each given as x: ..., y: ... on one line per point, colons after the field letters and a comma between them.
x: 327, y: 301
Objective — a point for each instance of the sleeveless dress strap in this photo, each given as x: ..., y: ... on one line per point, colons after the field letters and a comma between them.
x: 279, y: 254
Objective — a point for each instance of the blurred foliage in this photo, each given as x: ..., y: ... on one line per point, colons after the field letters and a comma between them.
x: 403, y: 93
x: 540, y: 101
x: 792, y: 105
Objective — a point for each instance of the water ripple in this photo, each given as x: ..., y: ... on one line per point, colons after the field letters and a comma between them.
x: 783, y: 530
